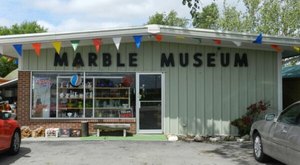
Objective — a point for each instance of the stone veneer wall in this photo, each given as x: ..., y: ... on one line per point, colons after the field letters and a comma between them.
x: 23, y: 112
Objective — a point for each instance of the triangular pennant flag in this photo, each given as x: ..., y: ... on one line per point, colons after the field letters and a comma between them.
x: 158, y: 37
x: 16, y: 61
x: 97, y: 44
x: 37, y: 48
x: 217, y: 41
x: 198, y: 39
x: 277, y: 48
x: 138, y: 40
x: 180, y: 37
x: 237, y: 43
x: 57, y: 46
x: 75, y: 44
x: 18, y: 48
x: 297, y: 49
x: 1, y: 49
x: 117, y: 42
x: 258, y: 39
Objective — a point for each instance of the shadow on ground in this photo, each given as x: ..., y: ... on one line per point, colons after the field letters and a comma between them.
x: 240, y: 153
x: 5, y: 158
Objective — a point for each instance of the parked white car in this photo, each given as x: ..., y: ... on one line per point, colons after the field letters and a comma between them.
x: 278, y: 137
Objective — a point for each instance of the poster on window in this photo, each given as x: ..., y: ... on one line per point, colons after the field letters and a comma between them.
x: 41, y: 97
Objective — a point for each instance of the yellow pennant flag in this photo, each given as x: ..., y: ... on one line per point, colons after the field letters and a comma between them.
x: 57, y: 46
x: 297, y: 49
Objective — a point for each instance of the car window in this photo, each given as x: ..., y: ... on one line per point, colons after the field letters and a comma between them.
x: 290, y: 115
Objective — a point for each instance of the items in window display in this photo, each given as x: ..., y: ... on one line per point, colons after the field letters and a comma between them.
x: 75, y: 80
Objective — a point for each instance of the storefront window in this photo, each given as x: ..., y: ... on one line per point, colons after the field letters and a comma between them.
x: 83, y: 95
x: 43, y: 96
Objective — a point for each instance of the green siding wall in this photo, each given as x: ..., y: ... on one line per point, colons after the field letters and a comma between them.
x: 199, y: 100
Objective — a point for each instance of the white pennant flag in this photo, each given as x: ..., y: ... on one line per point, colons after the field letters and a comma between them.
x: 237, y: 43
x: 117, y: 41
x: 1, y: 49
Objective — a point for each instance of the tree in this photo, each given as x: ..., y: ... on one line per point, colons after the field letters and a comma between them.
x: 7, y: 65
x: 193, y: 5
x: 170, y: 19
x: 23, y: 28
x: 207, y: 18
x: 273, y: 17
x: 231, y: 19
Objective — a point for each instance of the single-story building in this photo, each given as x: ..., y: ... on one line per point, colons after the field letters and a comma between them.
x: 158, y: 79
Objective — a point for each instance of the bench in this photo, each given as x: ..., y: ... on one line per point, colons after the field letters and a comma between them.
x: 111, y: 127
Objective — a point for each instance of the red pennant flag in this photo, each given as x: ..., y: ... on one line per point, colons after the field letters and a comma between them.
x: 37, y: 48
x: 277, y: 48
x: 97, y: 44
x: 217, y: 41
x: 158, y: 37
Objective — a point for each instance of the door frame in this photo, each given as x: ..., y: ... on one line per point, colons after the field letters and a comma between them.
x: 138, y: 103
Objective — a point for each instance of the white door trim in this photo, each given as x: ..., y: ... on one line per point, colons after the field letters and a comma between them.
x: 138, y: 103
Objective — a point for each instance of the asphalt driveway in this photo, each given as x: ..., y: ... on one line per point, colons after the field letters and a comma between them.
x: 131, y: 152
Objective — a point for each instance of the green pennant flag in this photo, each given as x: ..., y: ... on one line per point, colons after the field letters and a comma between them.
x: 75, y: 44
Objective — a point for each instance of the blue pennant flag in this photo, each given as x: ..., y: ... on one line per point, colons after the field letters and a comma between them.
x: 138, y: 40
x: 18, y: 48
x: 16, y: 61
x: 258, y: 39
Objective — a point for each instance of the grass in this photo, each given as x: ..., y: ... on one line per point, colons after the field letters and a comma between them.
x: 138, y: 137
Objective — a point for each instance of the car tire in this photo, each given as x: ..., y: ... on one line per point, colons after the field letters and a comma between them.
x: 258, y: 151
x: 15, y: 143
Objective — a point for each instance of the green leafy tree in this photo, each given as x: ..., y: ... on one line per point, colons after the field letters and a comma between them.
x: 6, y: 65
x: 273, y: 17
x: 231, y: 19
x: 23, y: 28
x: 194, y: 5
x: 208, y: 18
x: 170, y: 19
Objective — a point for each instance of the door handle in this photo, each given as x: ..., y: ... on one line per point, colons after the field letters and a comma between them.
x: 284, y: 130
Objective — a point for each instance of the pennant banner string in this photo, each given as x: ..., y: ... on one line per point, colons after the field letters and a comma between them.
x: 18, y: 48
x: 57, y: 46
x: 97, y: 43
x: 117, y: 42
x: 237, y: 43
x: 138, y: 40
x: 217, y: 41
x: 158, y: 37
x: 37, y: 48
x: 276, y: 48
x: 75, y: 44
x: 297, y: 49
x: 258, y: 39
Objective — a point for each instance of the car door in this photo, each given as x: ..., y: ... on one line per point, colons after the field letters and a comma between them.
x: 284, y: 132
x: 5, y: 132
x: 2, y: 137
x: 293, y: 145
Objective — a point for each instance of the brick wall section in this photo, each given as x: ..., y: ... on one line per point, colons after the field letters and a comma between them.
x: 23, y: 112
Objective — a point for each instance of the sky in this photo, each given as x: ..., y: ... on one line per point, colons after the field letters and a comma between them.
x: 77, y: 15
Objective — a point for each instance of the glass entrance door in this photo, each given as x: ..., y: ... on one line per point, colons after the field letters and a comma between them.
x: 149, y: 103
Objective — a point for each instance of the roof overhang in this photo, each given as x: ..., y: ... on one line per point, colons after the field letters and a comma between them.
x: 185, y: 35
x: 9, y: 83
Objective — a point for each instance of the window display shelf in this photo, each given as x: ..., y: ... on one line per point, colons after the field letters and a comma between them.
x: 96, y: 96
x: 112, y: 108
x: 111, y: 98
